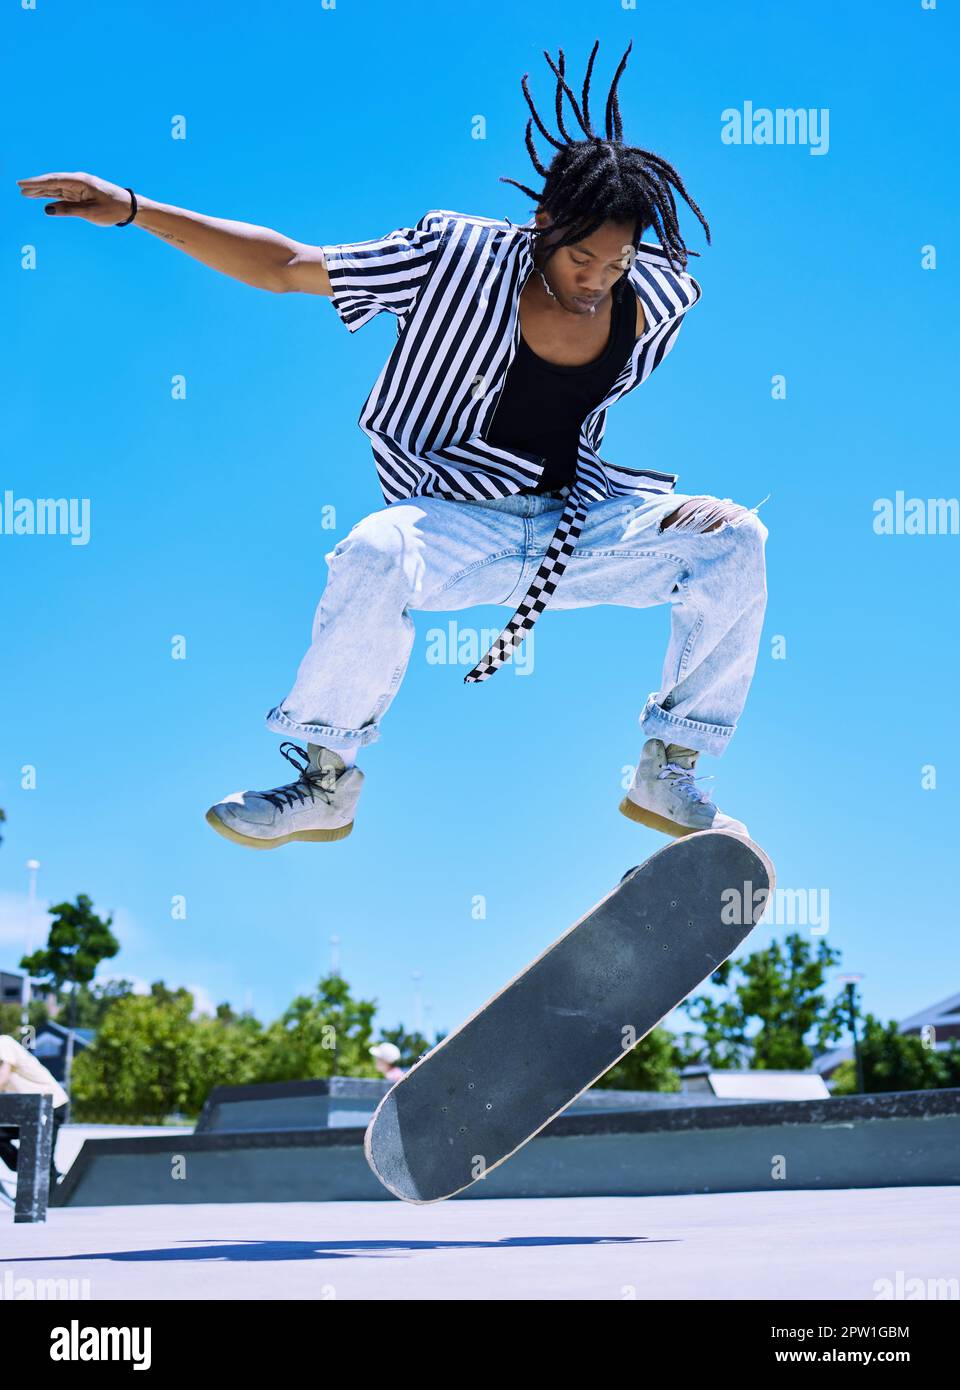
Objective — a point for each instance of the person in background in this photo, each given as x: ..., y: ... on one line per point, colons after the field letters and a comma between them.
x: 22, y: 1074
x: 386, y: 1055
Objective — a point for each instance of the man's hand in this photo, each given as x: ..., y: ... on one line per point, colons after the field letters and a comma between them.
x: 80, y: 195
x: 256, y: 255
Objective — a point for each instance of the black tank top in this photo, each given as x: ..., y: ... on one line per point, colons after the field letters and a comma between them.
x: 542, y: 406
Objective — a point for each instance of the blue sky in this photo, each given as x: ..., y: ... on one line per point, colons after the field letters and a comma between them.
x: 339, y: 124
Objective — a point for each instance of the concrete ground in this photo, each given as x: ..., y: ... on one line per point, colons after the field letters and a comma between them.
x: 744, y: 1245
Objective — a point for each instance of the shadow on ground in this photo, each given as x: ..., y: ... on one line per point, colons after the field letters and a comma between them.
x: 251, y: 1250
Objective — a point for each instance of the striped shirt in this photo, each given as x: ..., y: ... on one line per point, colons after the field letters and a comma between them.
x: 453, y: 282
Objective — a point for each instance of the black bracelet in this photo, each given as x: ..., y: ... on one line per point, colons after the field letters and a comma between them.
x: 133, y: 210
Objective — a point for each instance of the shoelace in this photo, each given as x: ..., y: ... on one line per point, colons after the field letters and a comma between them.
x: 682, y: 779
x: 310, y: 781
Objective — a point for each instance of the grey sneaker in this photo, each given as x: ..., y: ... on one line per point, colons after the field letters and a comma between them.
x: 319, y: 805
x: 664, y: 796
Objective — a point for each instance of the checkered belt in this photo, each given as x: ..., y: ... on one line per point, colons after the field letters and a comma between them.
x: 538, y: 596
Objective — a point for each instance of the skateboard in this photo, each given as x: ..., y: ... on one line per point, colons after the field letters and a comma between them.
x: 493, y: 1083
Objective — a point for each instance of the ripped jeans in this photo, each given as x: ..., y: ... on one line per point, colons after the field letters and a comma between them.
x: 702, y: 555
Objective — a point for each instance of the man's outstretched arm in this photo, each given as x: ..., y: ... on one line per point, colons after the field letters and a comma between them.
x: 258, y: 256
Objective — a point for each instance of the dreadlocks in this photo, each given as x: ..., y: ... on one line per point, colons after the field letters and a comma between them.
x: 597, y: 180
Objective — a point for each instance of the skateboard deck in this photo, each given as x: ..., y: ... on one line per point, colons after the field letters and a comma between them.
x: 491, y: 1085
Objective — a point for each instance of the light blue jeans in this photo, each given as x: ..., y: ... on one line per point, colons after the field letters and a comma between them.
x: 431, y: 554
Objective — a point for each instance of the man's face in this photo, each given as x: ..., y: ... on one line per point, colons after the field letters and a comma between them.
x: 582, y: 274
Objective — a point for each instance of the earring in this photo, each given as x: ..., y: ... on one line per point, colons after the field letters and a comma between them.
x: 545, y: 285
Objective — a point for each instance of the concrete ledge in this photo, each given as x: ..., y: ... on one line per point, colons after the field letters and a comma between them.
x: 351, y: 1101
x: 890, y: 1139
x: 333, y: 1101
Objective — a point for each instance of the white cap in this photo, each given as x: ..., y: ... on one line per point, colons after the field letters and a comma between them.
x: 386, y: 1052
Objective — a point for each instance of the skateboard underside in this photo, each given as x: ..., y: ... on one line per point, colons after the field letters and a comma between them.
x: 572, y: 1014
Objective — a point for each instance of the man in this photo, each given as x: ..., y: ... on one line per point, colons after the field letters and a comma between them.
x: 485, y: 424
x: 386, y: 1058
x: 22, y: 1074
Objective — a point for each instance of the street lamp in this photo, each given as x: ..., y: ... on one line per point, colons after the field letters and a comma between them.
x: 417, y: 976
x: 33, y: 868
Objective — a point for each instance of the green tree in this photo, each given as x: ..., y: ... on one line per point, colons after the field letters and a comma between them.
x: 223, y: 1052
x: 77, y: 942
x: 93, y: 1000
x: 11, y: 1017
x: 138, y: 1068
x: 324, y: 1034
x: 782, y: 989
x: 151, y: 1058
x: 895, y: 1061
x: 650, y: 1066
x: 163, y: 995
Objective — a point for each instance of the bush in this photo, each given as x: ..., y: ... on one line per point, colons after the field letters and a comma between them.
x: 150, y: 1058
